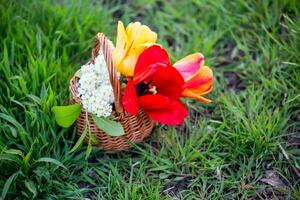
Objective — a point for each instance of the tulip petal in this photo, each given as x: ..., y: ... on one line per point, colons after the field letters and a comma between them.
x: 130, y: 44
x: 138, y: 35
x: 121, y: 36
x: 152, y: 55
x: 147, y: 45
x: 168, y: 82
x: 150, y: 101
x: 119, y: 52
x: 145, y: 73
x: 143, y: 35
x: 200, y: 84
x: 189, y: 65
x: 130, y: 99
x: 191, y: 94
x: 131, y: 31
x: 163, y: 109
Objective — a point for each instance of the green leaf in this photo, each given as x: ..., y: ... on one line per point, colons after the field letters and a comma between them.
x: 110, y: 127
x: 11, y: 158
x: 31, y: 187
x: 79, y: 141
x: 13, y: 131
x: 27, y: 158
x: 51, y: 160
x: 65, y: 116
x: 94, y: 139
x: 89, y: 148
x: 23, y: 134
x: 14, y: 152
x: 7, y: 185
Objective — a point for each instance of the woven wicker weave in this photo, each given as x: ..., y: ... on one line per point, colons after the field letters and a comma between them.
x: 136, y: 127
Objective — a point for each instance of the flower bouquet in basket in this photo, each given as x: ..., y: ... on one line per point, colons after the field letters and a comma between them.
x: 119, y: 95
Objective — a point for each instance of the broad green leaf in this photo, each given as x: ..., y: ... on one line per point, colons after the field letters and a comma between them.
x: 66, y: 115
x: 7, y: 185
x: 79, y: 141
x: 51, y: 160
x: 110, y: 127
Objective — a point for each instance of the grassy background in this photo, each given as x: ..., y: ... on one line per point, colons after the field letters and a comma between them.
x: 243, y: 146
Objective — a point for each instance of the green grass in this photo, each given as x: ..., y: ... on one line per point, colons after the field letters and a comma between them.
x: 223, y: 150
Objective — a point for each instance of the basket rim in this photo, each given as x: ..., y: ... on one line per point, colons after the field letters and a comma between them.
x: 101, y: 41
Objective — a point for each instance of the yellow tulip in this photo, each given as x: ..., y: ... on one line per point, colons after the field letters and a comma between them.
x: 131, y: 42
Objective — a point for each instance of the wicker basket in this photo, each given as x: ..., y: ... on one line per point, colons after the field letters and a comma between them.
x: 136, y: 127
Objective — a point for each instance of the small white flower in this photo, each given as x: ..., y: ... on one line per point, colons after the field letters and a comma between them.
x: 94, y: 87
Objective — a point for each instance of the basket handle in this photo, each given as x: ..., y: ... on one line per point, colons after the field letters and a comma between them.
x: 102, y: 42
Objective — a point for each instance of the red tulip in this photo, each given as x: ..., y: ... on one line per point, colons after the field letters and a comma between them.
x: 156, y: 87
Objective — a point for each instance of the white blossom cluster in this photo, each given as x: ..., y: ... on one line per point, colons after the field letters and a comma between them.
x: 94, y: 87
